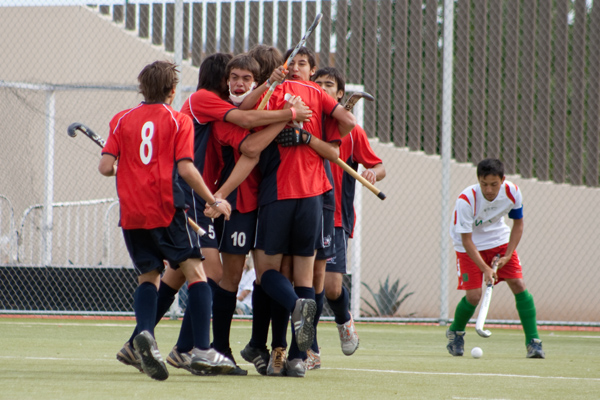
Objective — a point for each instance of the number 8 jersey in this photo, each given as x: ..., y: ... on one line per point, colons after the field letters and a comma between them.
x: 148, y: 141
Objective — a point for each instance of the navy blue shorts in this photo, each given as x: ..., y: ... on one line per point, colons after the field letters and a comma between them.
x: 175, y: 243
x: 290, y: 226
x: 326, y: 242
x: 236, y: 236
x: 196, y: 212
x: 338, y: 262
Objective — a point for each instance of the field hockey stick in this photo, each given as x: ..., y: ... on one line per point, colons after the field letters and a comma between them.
x: 349, y: 105
x: 485, y: 303
x: 301, y: 43
x: 77, y: 126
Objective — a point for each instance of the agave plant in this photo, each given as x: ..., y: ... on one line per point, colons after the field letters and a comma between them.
x: 387, y: 300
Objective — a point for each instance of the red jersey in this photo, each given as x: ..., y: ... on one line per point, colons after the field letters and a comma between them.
x: 230, y: 136
x: 296, y: 172
x: 355, y: 149
x: 148, y: 141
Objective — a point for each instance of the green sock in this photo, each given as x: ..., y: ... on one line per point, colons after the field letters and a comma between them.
x: 462, y: 315
x: 526, y: 309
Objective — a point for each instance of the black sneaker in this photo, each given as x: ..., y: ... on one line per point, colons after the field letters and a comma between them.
x: 456, y: 342
x: 302, y: 318
x: 152, y: 362
x: 534, y: 349
x: 258, y: 357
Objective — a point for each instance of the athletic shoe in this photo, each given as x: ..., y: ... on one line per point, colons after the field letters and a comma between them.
x: 302, y: 318
x: 456, y: 342
x: 276, y: 365
x: 210, y: 362
x: 152, y: 362
x: 295, y: 368
x: 348, y: 337
x: 258, y: 357
x: 181, y: 360
x: 237, y: 370
x: 534, y: 349
x: 313, y: 359
x: 129, y: 356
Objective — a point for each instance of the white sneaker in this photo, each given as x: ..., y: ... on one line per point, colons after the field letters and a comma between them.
x: 210, y: 361
x: 348, y: 337
x: 313, y: 359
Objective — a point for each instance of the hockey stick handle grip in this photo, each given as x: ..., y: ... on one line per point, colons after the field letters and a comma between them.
x: 359, y: 178
x: 201, y: 232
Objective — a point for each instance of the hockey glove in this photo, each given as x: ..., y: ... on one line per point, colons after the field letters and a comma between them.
x: 293, y: 137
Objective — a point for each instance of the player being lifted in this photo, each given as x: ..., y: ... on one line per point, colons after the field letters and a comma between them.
x: 154, y: 147
x: 354, y: 150
x: 479, y: 233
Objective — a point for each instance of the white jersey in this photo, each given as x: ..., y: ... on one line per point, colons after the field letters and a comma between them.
x: 485, y: 219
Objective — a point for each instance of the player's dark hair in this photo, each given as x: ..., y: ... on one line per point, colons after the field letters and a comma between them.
x: 213, y: 76
x: 312, y: 61
x: 245, y: 62
x: 335, y: 74
x: 157, y: 80
x: 490, y: 166
x: 269, y: 58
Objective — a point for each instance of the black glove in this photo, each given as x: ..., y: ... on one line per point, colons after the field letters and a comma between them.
x: 293, y: 137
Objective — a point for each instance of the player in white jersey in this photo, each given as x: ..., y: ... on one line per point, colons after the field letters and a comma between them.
x: 479, y: 233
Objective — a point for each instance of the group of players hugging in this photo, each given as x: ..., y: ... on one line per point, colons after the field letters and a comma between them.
x: 257, y: 181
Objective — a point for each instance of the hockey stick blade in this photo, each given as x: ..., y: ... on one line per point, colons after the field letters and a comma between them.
x: 485, y: 304
x: 356, y: 96
x: 77, y: 126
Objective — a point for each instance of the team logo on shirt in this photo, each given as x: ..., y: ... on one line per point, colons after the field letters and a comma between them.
x: 327, y: 241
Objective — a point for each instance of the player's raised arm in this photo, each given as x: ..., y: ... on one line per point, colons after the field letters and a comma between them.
x: 346, y: 120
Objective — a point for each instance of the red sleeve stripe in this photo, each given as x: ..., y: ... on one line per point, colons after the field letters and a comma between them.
x: 465, y: 198
x: 509, y: 194
x: 474, y: 201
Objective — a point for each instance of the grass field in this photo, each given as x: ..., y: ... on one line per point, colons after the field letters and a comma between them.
x: 43, y: 358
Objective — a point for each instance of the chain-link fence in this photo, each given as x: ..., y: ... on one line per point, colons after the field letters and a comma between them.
x: 524, y: 86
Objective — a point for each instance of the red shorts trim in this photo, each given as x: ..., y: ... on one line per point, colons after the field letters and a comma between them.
x: 471, y: 277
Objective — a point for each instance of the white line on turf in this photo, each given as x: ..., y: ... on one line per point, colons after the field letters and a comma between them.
x: 87, y: 360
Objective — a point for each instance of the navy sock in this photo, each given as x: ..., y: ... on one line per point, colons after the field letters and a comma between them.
x: 280, y: 318
x: 185, y: 341
x: 261, y: 317
x: 279, y: 288
x: 214, y: 286
x: 339, y: 307
x: 144, y: 304
x: 166, y: 296
x: 304, y: 293
x: 320, y: 299
x: 223, y: 308
x: 200, y: 304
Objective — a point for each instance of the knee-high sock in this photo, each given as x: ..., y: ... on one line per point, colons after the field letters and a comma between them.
x: 463, y: 313
x: 185, y: 341
x: 166, y: 296
x: 200, y: 304
x: 305, y: 293
x: 223, y: 308
x: 144, y: 304
x: 214, y: 286
x: 339, y: 307
x: 319, y: 299
x: 527, y: 314
x: 279, y: 288
x: 261, y: 317
x: 280, y: 318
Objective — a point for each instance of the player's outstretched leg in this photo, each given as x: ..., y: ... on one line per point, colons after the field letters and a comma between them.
x: 152, y: 362
x: 456, y: 342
